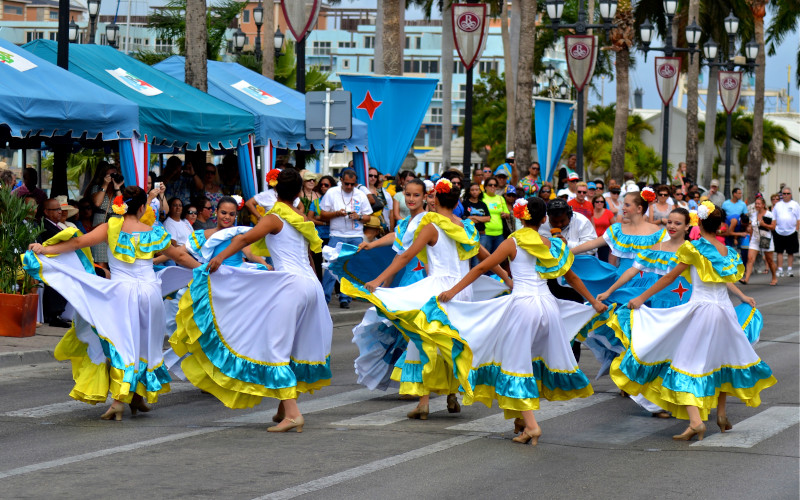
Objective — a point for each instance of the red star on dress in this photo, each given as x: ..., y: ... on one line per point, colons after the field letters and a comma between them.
x: 419, y: 267
x: 641, y: 274
x: 369, y: 105
x: 680, y: 290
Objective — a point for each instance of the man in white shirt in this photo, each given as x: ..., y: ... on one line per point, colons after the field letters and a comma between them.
x: 787, y: 218
x: 714, y: 196
x: 575, y: 228
x: 347, y: 209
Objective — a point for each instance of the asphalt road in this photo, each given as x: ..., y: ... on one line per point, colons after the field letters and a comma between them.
x: 358, y: 444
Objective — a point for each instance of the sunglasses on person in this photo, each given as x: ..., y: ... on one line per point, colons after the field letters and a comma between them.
x: 599, y: 202
x: 663, y: 194
x: 785, y: 193
x: 348, y: 183
x: 309, y: 180
x: 207, y: 208
x: 325, y: 185
x: 582, y: 192
x: 573, y: 180
x: 545, y: 191
x: 491, y: 185
x: 191, y: 212
x: 372, y: 176
x: 615, y: 191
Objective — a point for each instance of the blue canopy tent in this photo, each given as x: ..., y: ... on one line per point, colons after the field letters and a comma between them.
x: 42, y: 102
x: 171, y: 113
x: 279, y: 111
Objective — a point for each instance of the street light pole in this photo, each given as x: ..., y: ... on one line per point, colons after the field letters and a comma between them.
x: 93, y: 7
x: 669, y: 50
x: 258, y: 18
x: 608, y: 9
x: 716, y: 59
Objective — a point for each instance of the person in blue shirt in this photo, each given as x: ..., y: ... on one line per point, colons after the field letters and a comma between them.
x: 735, y: 206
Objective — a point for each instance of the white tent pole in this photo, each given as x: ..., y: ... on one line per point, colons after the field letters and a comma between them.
x: 326, y: 162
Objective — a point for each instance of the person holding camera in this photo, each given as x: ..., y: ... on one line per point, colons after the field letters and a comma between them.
x: 347, y: 209
x: 107, y: 184
x: 762, y: 225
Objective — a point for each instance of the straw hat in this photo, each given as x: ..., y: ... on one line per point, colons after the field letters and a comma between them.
x: 66, y: 207
x: 374, y: 222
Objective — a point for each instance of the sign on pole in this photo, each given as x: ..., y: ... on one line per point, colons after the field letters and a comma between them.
x: 301, y: 16
x: 469, y: 31
x: 667, y: 71
x: 730, y: 83
x: 581, y: 51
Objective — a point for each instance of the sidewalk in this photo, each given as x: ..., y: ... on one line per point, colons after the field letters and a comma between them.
x: 38, y: 349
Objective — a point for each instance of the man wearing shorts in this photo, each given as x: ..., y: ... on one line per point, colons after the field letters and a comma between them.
x: 787, y: 217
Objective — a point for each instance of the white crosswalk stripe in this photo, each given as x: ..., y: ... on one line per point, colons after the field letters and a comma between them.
x: 392, y: 415
x: 70, y: 406
x: 751, y: 431
x: 547, y: 410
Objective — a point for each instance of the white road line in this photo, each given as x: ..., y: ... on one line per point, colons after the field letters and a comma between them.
x: 547, y: 410
x: 750, y: 432
x: 108, y: 451
x: 363, y: 470
x: 312, y: 406
x: 392, y: 415
x: 766, y: 304
x: 70, y: 406
x: 783, y: 338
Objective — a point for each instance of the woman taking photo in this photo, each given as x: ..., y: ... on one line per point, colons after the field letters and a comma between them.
x: 115, y: 348
x: 762, y: 224
x: 241, y: 357
x: 107, y: 184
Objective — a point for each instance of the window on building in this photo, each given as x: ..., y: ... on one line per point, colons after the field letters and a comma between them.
x: 462, y: 113
x: 54, y: 15
x: 164, y: 45
x: 345, y: 63
x: 347, y: 45
x: 437, y: 94
x: 369, y: 42
x: 487, y: 66
x: 245, y: 16
x: 436, y: 115
x: 372, y: 65
x: 434, y: 136
x: 413, y: 42
x: 419, y: 140
x: 320, y: 48
x: 462, y: 91
x: 12, y: 9
x: 430, y: 66
x: 325, y: 68
x: 458, y: 68
x: 52, y: 35
x: 34, y: 35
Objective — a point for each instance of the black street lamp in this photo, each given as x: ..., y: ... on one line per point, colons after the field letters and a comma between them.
x: 94, y: 9
x: 555, y: 8
x: 112, y: 32
x: 239, y: 39
x: 692, y: 37
x: 716, y: 59
x: 73, y: 31
x: 258, y: 18
x: 277, y: 42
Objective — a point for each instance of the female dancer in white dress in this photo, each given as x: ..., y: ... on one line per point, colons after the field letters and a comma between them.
x: 277, y: 342
x: 445, y: 243
x: 116, y: 347
x: 520, y: 343
x: 688, y: 358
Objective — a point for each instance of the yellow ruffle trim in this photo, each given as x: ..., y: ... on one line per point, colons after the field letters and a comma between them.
x: 202, y: 373
x: 531, y: 241
x: 513, y: 408
x: 66, y: 235
x: 439, y: 380
x: 453, y: 231
x: 689, y: 254
x: 114, y: 230
x: 94, y: 381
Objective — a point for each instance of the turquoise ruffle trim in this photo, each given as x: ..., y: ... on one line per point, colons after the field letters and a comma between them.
x: 627, y: 245
x: 233, y: 366
x: 517, y: 387
x: 557, y: 251
x: 656, y: 261
x: 724, y: 266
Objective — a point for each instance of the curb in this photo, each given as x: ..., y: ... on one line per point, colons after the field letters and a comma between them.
x: 344, y: 317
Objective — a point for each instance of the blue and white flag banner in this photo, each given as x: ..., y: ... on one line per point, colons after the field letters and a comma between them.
x: 246, y: 156
x: 552, y: 119
x: 361, y: 166
x: 134, y: 158
x: 393, y: 108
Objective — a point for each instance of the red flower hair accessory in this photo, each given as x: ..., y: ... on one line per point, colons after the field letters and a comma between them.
x: 272, y: 177
x: 648, y: 195
x: 443, y: 186
x: 521, y: 209
x: 239, y: 201
x: 119, y: 206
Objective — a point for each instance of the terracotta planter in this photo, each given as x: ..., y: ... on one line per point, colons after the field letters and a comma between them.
x: 18, y: 313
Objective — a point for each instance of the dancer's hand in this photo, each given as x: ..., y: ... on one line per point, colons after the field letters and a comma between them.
x: 509, y: 283
x: 36, y: 248
x: 749, y: 300
x: 635, y: 303
x: 214, y: 264
x: 372, y: 285
x: 603, y: 296
x: 599, y: 306
x: 363, y: 246
x: 446, y: 296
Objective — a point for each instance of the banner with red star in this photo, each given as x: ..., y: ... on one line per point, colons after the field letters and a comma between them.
x: 393, y: 108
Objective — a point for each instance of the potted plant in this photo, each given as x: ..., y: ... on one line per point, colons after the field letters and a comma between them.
x: 18, y: 302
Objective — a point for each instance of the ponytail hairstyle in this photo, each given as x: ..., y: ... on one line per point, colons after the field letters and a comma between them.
x: 446, y: 194
x: 289, y: 185
x: 714, y: 220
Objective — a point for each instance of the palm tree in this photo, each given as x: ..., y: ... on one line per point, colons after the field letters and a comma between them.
x: 692, y: 76
x: 393, y: 36
x: 756, y: 157
x: 196, y: 44
x: 621, y: 42
x: 785, y: 22
x: 524, y: 95
x: 601, y: 114
x: 268, y: 58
